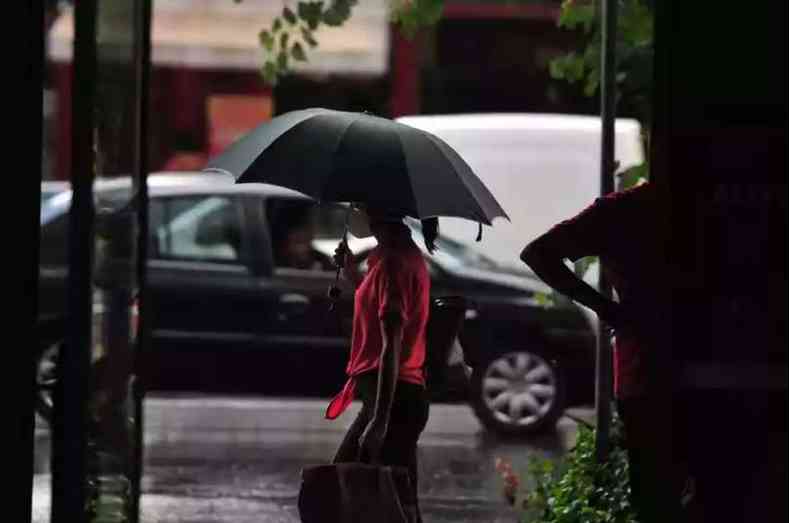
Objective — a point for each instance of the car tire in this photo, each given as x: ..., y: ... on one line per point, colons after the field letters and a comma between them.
x: 518, y: 392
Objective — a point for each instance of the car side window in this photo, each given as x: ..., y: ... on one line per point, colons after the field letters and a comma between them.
x: 196, y: 228
x: 302, y: 233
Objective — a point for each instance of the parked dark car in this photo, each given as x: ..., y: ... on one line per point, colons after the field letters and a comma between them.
x: 231, y: 311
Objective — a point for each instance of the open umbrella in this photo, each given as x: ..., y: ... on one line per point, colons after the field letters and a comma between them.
x: 338, y: 156
x: 356, y: 157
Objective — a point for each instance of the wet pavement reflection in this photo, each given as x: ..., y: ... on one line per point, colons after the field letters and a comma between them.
x: 210, y: 459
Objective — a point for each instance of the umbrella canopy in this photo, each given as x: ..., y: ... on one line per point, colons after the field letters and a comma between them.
x: 355, y: 157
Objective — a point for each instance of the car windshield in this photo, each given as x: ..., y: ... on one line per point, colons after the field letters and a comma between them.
x: 457, y: 254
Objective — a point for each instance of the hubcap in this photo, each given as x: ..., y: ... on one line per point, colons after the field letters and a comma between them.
x: 519, y: 388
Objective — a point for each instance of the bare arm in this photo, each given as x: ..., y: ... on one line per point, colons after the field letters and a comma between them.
x: 547, y: 260
x: 345, y: 259
x: 389, y: 364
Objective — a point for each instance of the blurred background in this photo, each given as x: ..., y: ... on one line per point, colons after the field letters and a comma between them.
x: 212, y: 413
x: 185, y: 350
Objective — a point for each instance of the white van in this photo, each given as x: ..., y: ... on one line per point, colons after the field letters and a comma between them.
x: 542, y: 168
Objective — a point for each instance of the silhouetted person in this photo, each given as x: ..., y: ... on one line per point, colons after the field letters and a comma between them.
x: 623, y: 229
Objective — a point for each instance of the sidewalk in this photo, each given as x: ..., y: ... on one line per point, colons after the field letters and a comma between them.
x: 238, y: 460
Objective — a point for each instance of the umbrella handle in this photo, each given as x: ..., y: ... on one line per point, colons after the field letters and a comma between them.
x: 334, y: 291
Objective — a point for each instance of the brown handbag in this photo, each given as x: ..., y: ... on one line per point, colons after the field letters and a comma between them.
x: 356, y: 493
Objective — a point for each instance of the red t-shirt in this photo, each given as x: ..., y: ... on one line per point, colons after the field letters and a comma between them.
x: 622, y: 229
x: 397, y: 281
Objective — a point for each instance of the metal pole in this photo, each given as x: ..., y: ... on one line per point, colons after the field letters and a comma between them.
x: 24, y: 441
x: 142, y: 13
x: 69, y: 442
x: 603, y: 385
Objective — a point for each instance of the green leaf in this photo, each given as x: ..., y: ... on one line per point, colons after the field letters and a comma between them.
x: 592, y: 56
x: 284, y: 40
x: 308, y: 37
x: 575, y: 13
x: 332, y: 18
x: 634, y: 175
x: 266, y: 39
x: 277, y: 24
x: 289, y: 15
x: 556, y: 69
x: 270, y: 72
x: 635, y: 23
x: 282, y: 60
x: 634, y: 50
x: 576, y: 67
x: 411, y: 17
x: 409, y: 29
x: 583, y: 265
x: 591, y: 86
x: 543, y: 299
x: 338, y: 12
x: 310, y: 12
x: 429, y: 11
x: 297, y: 51
x: 570, y: 67
x: 579, y: 490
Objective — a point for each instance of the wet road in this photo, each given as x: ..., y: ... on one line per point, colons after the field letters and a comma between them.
x: 238, y: 460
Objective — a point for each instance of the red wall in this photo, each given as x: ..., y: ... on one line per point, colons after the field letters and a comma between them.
x: 178, y: 119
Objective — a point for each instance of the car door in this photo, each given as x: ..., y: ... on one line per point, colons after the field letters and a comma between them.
x: 303, y: 271
x: 204, y: 303
x: 302, y: 324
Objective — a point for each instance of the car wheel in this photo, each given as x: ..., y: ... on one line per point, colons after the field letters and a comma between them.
x: 519, y: 392
x: 46, y: 377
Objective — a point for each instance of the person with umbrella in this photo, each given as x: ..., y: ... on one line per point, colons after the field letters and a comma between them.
x: 387, y: 171
x: 388, y: 344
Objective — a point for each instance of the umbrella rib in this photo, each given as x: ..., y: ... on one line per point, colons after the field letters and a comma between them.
x: 431, y: 140
x: 406, y: 166
x: 333, y: 156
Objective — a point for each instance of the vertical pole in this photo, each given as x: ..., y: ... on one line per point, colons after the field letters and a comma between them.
x: 24, y: 440
x: 603, y: 385
x: 142, y: 13
x: 69, y: 428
